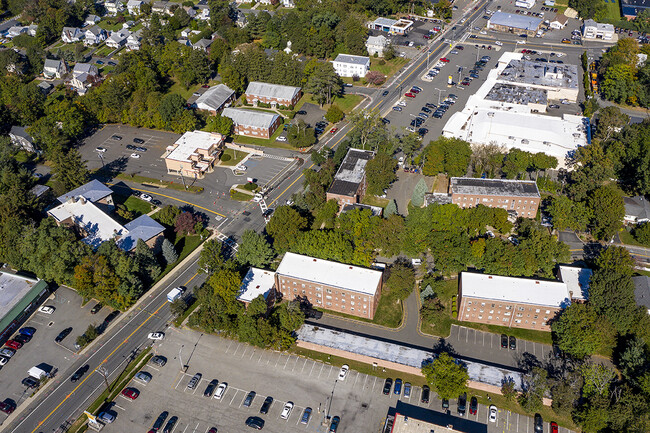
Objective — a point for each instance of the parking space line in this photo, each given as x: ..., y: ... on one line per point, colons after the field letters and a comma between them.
x: 233, y: 397
x: 244, y: 353
x: 303, y: 366
x: 252, y: 354
x: 276, y: 362
x: 321, y: 370
x: 287, y: 361
x: 236, y: 349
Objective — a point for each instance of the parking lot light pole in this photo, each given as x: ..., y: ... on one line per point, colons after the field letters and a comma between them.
x: 329, y: 406
x: 439, y: 93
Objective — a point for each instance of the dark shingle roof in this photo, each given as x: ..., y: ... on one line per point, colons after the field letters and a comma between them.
x: 496, y: 187
x: 642, y: 291
x: 351, y: 172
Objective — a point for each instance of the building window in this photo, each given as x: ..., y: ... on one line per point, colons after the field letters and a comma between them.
x: 505, y: 319
x: 482, y: 304
x: 548, y: 311
x: 351, y: 302
x: 352, y: 309
x: 466, y: 315
x: 303, y: 292
x: 319, y: 295
x: 537, y: 310
x: 294, y: 283
x: 329, y: 304
x: 489, y: 317
x: 303, y: 286
x: 295, y: 290
x: 318, y: 289
x: 328, y: 290
x: 343, y: 294
x: 469, y: 302
x: 343, y: 300
x: 318, y: 301
x: 328, y: 297
x: 352, y: 296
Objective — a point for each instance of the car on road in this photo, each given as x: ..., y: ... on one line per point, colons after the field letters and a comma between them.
x: 397, y: 390
x: 156, y: 336
x: 538, y: 423
x: 99, y: 62
x: 100, y: 149
x: 142, y: 377
x: 249, y: 399
x: 513, y: 343
x: 135, y: 156
x: 384, y: 93
x: 268, y: 401
x: 409, y: 95
x: 462, y: 404
x: 221, y: 390
x: 138, y: 140
x: 146, y: 197
x: 286, y: 410
x: 112, y: 63
x: 13, y: 344
x: 194, y: 381
x: 46, y: 309
x: 59, y: 338
x: 499, y: 43
x: 504, y: 341
x: 169, y: 427
x: 343, y: 373
x: 31, y: 382
x: 98, y: 306
x: 334, y: 424
x: 388, y: 384
x: 566, y: 41
x: 306, y: 414
x: 255, y: 422
x: 79, y: 373
x: 116, y: 137
x: 493, y: 413
x: 397, y: 108
x: 107, y: 417
x: 407, y: 390
x: 7, y: 407
x: 473, y: 406
x: 158, y: 360
x: 333, y: 130
x: 209, y: 390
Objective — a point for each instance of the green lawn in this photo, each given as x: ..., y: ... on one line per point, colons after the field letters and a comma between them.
x: 348, y: 102
x: 181, y: 90
x: 103, y: 51
x: 373, y: 200
x: 240, y: 196
x: 108, y: 25
x: 613, y: 10
x: 140, y: 207
x: 390, y: 67
x: 440, y: 324
x: 628, y: 239
x: 389, y: 313
x: 143, y: 179
x: 235, y: 157
x: 271, y: 142
x: 184, y: 246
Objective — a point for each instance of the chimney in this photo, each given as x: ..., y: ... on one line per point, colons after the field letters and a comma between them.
x: 82, y: 199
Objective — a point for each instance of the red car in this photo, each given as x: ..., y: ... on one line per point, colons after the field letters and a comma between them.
x: 333, y: 130
x: 444, y: 60
x: 7, y: 407
x: 13, y: 344
x: 131, y: 393
x: 409, y: 95
x: 553, y: 427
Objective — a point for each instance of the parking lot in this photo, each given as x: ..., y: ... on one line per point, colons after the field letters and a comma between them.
x: 42, y: 348
x: 358, y: 399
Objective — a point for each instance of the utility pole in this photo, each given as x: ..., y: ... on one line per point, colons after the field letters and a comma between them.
x: 182, y: 178
x: 439, y: 93
x: 329, y: 406
x: 102, y: 370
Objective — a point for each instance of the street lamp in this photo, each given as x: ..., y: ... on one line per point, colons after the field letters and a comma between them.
x: 329, y: 406
x: 104, y: 372
x: 439, y: 93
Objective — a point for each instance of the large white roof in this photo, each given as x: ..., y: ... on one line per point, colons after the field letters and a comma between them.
x: 98, y: 225
x: 333, y: 274
x: 577, y: 280
x: 520, y: 290
x: 256, y: 282
x: 190, y: 142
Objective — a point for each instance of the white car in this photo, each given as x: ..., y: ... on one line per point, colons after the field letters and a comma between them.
x: 499, y: 43
x: 402, y: 103
x: 493, y: 413
x: 135, y: 155
x: 560, y: 54
x: 522, y: 42
x: 100, y: 149
x: 221, y: 390
x: 241, y: 168
x: 483, y: 32
x: 156, y: 336
x: 343, y: 373
x: 146, y: 197
x: 106, y: 417
x: 281, y: 138
x: 258, y: 197
x: 286, y: 410
x: 3, y: 360
x: 46, y: 309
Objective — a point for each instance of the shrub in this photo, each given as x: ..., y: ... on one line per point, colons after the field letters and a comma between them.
x: 225, y: 157
x: 382, y: 62
x: 250, y: 186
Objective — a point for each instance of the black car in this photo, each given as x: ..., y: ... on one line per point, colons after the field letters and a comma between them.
x: 249, y: 399
x: 158, y: 360
x: 302, y: 112
x: 513, y: 343
x: 504, y: 341
x: 334, y: 424
x: 424, y: 398
x: 268, y: 401
x: 160, y: 420
x: 130, y: 147
x: 141, y: 149
x: 98, y: 306
x: 59, y: 338
x: 387, y: 386
x: 116, y: 137
x: 79, y: 373
x: 538, y: 423
x: 423, y: 131
x: 138, y: 140
x: 112, y: 64
x: 445, y: 403
x: 462, y: 404
x: 170, y: 424
x: 110, y: 317
x: 385, y: 121
x: 425, y: 109
x: 430, y: 105
x: 209, y: 390
x: 384, y: 93
x: 31, y: 382
x: 22, y: 339
x: 255, y: 422
x: 474, y: 75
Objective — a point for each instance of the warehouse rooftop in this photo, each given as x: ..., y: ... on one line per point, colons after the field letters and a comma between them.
x: 496, y: 187
x: 540, y: 74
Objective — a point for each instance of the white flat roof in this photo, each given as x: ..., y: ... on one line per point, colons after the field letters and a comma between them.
x: 333, y: 274
x: 256, y: 282
x: 577, y: 280
x: 190, y: 142
x: 99, y: 226
x: 520, y: 290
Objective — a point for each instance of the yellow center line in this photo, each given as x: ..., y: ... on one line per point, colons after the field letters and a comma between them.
x: 174, y: 198
x: 104, y: 361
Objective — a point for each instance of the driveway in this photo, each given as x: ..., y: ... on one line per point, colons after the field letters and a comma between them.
x: 402, y: 189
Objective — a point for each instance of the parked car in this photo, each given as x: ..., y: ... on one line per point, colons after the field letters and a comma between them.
x: 7, y: 352
x: 146, y: 197
x: 143, y: 377
x: 79, y: 373
x: 22, y: 339
x: 31, y: 382
x: 100, y: 149
x: 268, y: 401
x: 138, y: 140
x: 493, y: 413
x: 116, y: 137
x: 209, y: 390
x: 13, y: 344
x: 445, y: 403
x: 462, y: 404
x: 28, y: 330
x: 513, y: 343
x: 334, y: 424
x: 135, y: 156
x: 388, y: 384
x: 46, y: 309
x: 194, y: 381
x: 107, y: 417
x: 59, y: 338
x: 409, y: 95
x: 98, y: 306
x: 221, y: 390
x: 407, y: 390
x: 444, y: 60
x: 504, y: 341
x: 141, y: 149
x: 424, y: 398
x: 286, y: 410
x: 554, y: 427
x: 7, y: 406
x: 255, y: 422
x: 397, y: 390
x: 473, y: 406
x: 306, y: 414
x: 169, y: 427
x: 397, y: 108
x: 130, y: 147
x: 249, y: 399
x: 158, y: 360
x: 538, y: 423
x: 160, y: 421
x: 343, y: 373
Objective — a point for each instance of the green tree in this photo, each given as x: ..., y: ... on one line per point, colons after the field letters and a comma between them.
x: 221, y: 124
x: 225, y: 284
x: 334, y: 114
x: 610, y: 120
x: 167, y: 215
x: 446, y: 377
x: 401, y: 280
x: 169, y: 252
x: 285, y: 226
x: 449, y: 155
x: 642, y: 233
x: 390, y: 209
x: 580, y: 332
x: 508, y: 389
x: 254, y: 250
x: 380, y: 173
x: 534, y: 389
x: 211, y: 258
x: 568, y: 214
x: 178, y: 307
x: 301, y: 135
x: 607, y: 208
x: 257, y: 307
x: 593, y: 415
x: 324, y: 83
x: 171, y: 107
x: 597, y: 378
x: 69, y: 169
x: 417, y: 199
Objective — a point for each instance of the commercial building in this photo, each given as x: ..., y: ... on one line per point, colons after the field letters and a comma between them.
x: 19, y: 297
x: 330, y: 285
x: 194, y: 154
x: 525, y: 3
x: 347, y: 65
x: 274, y: 94
x: 349, y: 185
x: 94, y: 192
x: 393, y: 27
x: 514, y: 23
x: 593, y: 30
x: 257, y: 282
x: 215, y: 98
x: 637, y: 210
x: 559, y: 21
x: 630, y: 9
x: 518, y: 196
x: 513, y: 302
x: 253, y: 123
x: 560, y: 81
x: 577, y: 281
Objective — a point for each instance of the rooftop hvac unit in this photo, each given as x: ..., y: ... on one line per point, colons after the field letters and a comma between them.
x: 511, y: 137
x: 524, y: 141
x: 491, y: 114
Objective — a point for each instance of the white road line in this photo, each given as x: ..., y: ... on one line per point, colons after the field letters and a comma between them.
x: 197, y: 426
x: 279, y: 357
x: 233, y: 397
x: 244, y: 353
x: 260, y: 360
x: 321, y: 370
x: 252, y: 354
x: 236, y: 349
x: 303, y: 366
x: 286, y: 362
x: 312, y: 367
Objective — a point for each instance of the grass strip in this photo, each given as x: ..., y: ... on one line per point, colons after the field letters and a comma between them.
x: 150, y: 180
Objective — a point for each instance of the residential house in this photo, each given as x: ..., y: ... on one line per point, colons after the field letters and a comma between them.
x: 559, y: 22
x: 326, y: 284
x: 642, y: 292
x: 637, y: 210
x: 349, y: 185
x: 15, y: 31
x: 84, y: 75
x: 163, y: 7
x: 187, y: 33
x: 91, y: 20
x: 253, y: 123
x: 45, y: 87
x: 134, y: 41
x: 70, y: 35
x: 20, y: 138
x: 54, y: 69
x: 185, y: 42
x: 191, y: 12
x: 85, y: 68
x: 32, y: 29
x: 215, y: 98
x: 274, y: 94
x: 145, y: 228
x: 203, y: 13
x: 194, y: 154
x: 113, y: 7
x: 203, y: 44
x: 256, y: 283
x: 241, y: 20
x: 376, y: 45
x: 94, y: 36
x: 117, y: 39
x: 593, y: 30
x: 133, y: 6
x: 348, y: 65
x: 288, y: 4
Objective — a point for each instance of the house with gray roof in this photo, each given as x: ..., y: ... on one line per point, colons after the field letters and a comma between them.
x: 54, y: 69
x: 84, y: 68
x: 637, y: 210
x: 143, y: 227
x: 642, y: 291
x: 91, y: 20
x: 215, y: 98
x: 203, y: 44
x: 94, y: 36
x: 349, y: 184
x: 70, y: 35
x: 253, y: 123
x: 93, y: 191
x: 274, y: 94
x: 517, y: 196
x: 376, y: 45
x: 20, y: 138
x: 348, y: 65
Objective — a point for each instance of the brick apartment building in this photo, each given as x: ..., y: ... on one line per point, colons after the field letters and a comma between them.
x: 253, y: 123
x: 349, y: 185
x: 511, y: 302
x: 274, y: 94
x: 330, y: 285
x: 517, y: 196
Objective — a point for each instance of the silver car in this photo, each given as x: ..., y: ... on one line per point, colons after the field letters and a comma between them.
x: 194, y: 381
x: 142, y: 377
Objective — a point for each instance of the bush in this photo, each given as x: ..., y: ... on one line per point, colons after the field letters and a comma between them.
x: 225, y: 157
x: 250, y: 186
x: 334, y: 114
x: 382, y: 62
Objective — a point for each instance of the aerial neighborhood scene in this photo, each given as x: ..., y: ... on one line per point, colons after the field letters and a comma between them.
x: 352, y: 216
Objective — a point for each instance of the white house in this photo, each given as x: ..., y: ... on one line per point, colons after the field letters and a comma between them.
x: 134, y: 41
x: 288, y: 4
x: 85, y: 68
x: 593, y: 30
x: 91, y: 20
x: 94, y: 35
x: 348, y: 65
x: 31, y: 29
x: 202, y: 44
x: 117, y: 39
x: 203, y: 13
x: 15, y: 31
x: 114, y: 6
x: 133, y: 6
x: 54, y: 69
x: 559, y: 22
x: 376, y: 45
x: 20, y: 138
x: 70, y: 35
